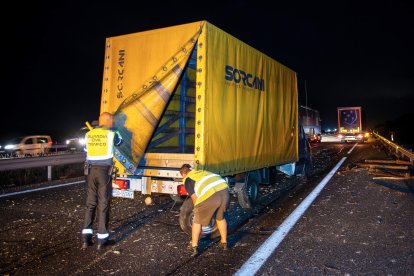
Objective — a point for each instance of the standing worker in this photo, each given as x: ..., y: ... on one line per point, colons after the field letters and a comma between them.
x: 98, y: 170
x: 210, y: 195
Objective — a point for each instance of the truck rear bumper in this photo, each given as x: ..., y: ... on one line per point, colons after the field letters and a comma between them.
x: 145, y: 185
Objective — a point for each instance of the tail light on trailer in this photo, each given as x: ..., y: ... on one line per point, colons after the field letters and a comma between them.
x: 181, y: 190
x: 121, y: 184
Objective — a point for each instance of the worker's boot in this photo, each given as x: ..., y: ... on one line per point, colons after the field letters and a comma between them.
x: 224, y: 246
x: 102, y: 243
x: 193, y: 249
x: 86, y: 240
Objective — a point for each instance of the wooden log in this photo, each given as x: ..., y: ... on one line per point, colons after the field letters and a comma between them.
x: 380, y: 166
x: 393, y: 178
x: 390, y: 161
x: 380, y: 173
x: 399, y: 162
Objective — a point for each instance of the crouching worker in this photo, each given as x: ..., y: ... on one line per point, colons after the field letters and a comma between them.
x: 210, y: 195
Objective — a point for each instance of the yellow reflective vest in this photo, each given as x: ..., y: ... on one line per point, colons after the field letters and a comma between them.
x: 206, y: 184
x: 99, y: 144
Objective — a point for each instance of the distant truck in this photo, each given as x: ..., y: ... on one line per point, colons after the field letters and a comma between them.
x: 350, y: 125
x: 194, y: 94
x: 311, y: 123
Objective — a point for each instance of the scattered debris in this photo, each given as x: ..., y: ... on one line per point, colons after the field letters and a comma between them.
x: 330, y: 267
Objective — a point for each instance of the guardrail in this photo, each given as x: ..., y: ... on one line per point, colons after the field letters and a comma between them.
x: 41, y: 161
x: 398, y: 150
x: 58, y: 147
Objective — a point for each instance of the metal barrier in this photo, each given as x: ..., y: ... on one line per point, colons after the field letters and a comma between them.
x: 398, y: 150
x: 42, y: 161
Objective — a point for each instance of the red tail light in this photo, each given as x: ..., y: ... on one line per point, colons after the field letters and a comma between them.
x: 340, y: 136
x: 181, y: 190
x: 121, y: 184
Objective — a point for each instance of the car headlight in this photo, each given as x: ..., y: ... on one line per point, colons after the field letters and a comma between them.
x: 67, y: 142
x: 82, y: 141
x: 7, y: 147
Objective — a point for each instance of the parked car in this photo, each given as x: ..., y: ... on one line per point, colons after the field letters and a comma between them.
x: 29, y: 145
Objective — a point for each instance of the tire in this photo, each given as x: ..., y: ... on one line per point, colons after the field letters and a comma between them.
x: 248, y: 193
x: 308, y: 168
x: 177, y: 198
x: 186, y: 221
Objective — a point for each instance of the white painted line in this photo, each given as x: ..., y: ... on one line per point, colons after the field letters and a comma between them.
x: 352, y: 148
x: 40, y: 189
x: 266, y: 249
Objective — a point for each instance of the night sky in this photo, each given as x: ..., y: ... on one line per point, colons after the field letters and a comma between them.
x: 350, y: 53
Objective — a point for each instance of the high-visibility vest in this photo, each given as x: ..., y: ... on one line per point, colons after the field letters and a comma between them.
x: 206, y: 184
x: 99, y: 144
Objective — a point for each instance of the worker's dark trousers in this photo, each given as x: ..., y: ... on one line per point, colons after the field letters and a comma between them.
x: 99, y: 196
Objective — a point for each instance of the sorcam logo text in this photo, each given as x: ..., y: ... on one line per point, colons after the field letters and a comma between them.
x: 237, y: 75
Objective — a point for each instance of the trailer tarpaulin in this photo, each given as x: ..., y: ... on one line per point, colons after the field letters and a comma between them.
x: 250, y: 108
x: 138, y: 105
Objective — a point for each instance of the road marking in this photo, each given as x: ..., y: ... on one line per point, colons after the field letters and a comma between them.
x: 352, y: 148
x: 340, y: 150
x: 266, y: 249
x: 40, y: 189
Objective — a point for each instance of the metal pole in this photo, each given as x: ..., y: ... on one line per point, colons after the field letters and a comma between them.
x: 49, y: 173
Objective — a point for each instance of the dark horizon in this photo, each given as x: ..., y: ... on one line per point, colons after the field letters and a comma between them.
x: 349, y: 54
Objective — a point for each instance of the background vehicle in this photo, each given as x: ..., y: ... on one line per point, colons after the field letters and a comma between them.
x: 194, y: 94
x: 311, y: 122
x: 29, y: 145
x: 350, y: 125
x: 77, y: 143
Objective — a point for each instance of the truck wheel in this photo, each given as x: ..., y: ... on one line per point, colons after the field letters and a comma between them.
x: 186, y: 221
x: 248, y: 192
x: 177, y: 198
x: 308, y: 168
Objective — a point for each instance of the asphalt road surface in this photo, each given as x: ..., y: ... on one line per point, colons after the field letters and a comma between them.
x: 40, y: 231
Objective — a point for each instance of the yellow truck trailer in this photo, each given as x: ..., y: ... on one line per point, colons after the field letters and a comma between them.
x: 195, y: 94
